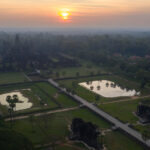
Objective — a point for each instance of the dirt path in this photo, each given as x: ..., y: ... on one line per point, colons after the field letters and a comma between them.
x: 124, y: 100
x: 29, y: 79
x: 74, y: 146
x: 43, y: 113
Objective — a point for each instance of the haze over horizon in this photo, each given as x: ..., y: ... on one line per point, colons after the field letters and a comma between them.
x: 75, y: 14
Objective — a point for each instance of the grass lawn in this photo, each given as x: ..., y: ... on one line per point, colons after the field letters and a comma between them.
x: 66, y: 145
x: 142, y: 128
x: 61, y: 98
x: 123, y: 110
x: 12, y: 77
x: 54, y: 127
x: 41, y: 93
x: 69, y: 147
x: 63, y: 147
x: 35, y: 95
x: 118, y: 141
x: 90, y: 96
x: 86, y: 69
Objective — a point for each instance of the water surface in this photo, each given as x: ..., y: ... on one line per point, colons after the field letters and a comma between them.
x: 24, y: 104
x: 107, y: 88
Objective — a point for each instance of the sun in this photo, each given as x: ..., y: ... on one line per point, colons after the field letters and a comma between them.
x: 65, y: 14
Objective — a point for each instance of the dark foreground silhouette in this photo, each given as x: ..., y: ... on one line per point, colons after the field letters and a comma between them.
x: 86, y: 132
x: 143, y: 111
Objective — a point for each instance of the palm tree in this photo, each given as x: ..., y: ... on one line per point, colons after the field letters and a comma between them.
x: 91, y: 88
x: 98, y: 87
x: 107, y: 84
x: 8, y: 99
x: 15, y: 98
x: 87, y: 82
x: 12, y: 100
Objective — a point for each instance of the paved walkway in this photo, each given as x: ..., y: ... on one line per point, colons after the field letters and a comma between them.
x: 108, y: 117
x: 43, y: 113
x: 27, y: 77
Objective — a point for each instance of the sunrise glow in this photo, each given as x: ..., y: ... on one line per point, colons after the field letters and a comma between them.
x: 64, y: 13
x: 99, y: 13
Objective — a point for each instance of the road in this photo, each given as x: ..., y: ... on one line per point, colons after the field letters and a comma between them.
x: 43, y: 113
x: 103, y: 114
x: 27, y: 77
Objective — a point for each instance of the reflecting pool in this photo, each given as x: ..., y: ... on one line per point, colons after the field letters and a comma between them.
x: 107, y: 88
x: 21, y: 105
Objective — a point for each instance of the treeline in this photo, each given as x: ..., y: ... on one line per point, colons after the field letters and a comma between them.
x: 125, y: 54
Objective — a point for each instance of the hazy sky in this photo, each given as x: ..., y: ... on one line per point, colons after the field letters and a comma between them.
x: 80, y: 13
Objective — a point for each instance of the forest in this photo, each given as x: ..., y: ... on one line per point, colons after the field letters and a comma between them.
x: 128, y: 54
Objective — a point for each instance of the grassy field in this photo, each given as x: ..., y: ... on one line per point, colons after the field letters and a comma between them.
x: 91, y: 96
x: 86, y: 69
x: 54, y: 129
x: 35, y: 95
x: 41, y: 93
x: 124, y: 111
x: 142, y: 128
x: 118, y: 141
x: 11, y: 77
x: 66, y: 147
x: 61, y: 98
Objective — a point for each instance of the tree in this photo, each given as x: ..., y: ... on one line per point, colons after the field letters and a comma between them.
x: 73, y: 92
x: 91, y: 88
x: 77, y: 74
x: 107, y: 84
x: 91, y: 73
x: 64, y: 73
x: 74, y: 84
x: 98, y: 87
x: 143, y: 84
x: 57, y: 74
x: 145, y: 135
x: 97, y: 98
x: 68, y: 90
x: 102, y: 140
x: 12, y: 100
x: 98, y: 72
x: 86, y: 132
x: 12, y: 140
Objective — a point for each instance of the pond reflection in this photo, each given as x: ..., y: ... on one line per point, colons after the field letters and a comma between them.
x: 107, y: 88
x: 24, y: 104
